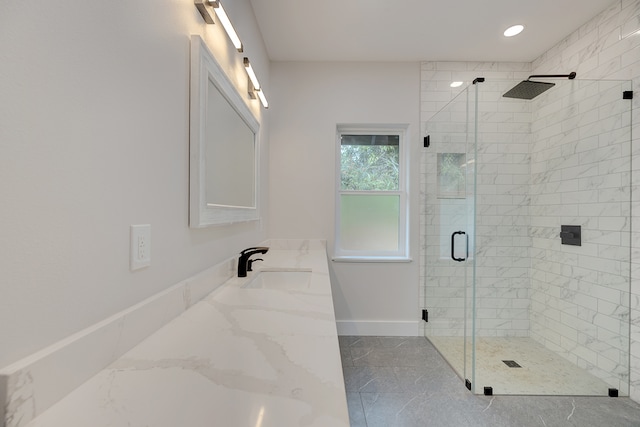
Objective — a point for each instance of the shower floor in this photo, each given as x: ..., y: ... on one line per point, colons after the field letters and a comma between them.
x: 542, y: 372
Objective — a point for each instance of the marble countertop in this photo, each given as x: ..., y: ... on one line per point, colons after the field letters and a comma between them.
x: 239, y: 357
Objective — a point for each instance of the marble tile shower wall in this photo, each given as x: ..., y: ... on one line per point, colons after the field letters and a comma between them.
x: 580, y: 174
x: 502, y: 202
x: 502, y: 213
x: 608, y: 48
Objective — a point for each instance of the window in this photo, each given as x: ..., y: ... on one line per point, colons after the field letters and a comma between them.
x: 371, y: 194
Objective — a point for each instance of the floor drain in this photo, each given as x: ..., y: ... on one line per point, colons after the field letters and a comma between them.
x: 511, y: 364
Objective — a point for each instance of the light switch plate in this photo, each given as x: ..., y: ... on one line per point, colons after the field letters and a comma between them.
x: 140, y: 252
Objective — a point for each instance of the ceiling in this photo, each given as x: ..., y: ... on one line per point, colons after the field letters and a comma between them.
x: 417, y: 30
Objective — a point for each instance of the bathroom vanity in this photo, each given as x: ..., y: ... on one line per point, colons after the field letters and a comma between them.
x: 257, y: 351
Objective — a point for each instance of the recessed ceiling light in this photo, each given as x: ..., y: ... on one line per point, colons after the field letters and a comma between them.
x: 513, y: 31
x: 456, y: 84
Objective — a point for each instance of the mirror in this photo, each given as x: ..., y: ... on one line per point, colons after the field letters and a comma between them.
x: 223, y: 146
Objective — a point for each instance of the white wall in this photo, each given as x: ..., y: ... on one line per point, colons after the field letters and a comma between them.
x: 94, y: 128
x: 309, y: 100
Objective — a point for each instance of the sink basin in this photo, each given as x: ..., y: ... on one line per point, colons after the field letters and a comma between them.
x: 280, y: 280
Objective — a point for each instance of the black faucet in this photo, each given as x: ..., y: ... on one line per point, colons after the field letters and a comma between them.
x: 244, y: 258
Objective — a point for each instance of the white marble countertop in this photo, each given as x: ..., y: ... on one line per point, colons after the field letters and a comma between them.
x: 239, y: 357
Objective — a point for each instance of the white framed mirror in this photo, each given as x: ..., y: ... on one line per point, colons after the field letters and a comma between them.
x: 223, y: 164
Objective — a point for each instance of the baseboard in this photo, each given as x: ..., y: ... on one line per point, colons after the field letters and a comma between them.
x: 378, y: 328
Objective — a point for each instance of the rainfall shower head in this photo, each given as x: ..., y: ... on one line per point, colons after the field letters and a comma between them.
x: 528, y: 89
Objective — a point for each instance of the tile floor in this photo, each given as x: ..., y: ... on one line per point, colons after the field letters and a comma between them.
x: 404, y: 382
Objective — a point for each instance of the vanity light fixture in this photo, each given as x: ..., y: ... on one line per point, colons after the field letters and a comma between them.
x: 254, y: 85
x: 513, y: 31
x: 226, y: 23
x: 456, y: 84
x: 263, y: 99
x: 202, y: 5
x: 251, y: 74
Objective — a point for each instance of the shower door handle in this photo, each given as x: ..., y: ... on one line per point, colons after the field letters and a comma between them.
x: 453, y: 246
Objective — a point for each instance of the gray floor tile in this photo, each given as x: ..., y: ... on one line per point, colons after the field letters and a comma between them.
x: 416, y: 409
x: 345, y: 355
x: 356, y: 342
x: 371, y: 379
x: 404, y: 382
x: 405, y: 342
x: 391, y: 356
x: 412, y: 379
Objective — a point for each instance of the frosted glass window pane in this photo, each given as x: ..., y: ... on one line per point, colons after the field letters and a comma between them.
x: 369, y: 222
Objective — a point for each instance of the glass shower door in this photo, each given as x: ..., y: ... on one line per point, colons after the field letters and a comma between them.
x: 449, y: 222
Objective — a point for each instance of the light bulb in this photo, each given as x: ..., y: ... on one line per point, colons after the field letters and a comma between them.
x: 513, y: 31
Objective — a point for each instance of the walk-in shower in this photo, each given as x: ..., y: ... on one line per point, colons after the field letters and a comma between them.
x: 512, y: 308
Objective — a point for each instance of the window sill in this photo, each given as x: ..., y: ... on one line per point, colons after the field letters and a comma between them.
x: 370, y: 259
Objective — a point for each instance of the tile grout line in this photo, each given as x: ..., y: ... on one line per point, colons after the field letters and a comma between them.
x: 364, y: 413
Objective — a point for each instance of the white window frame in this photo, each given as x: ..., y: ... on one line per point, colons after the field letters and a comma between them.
x: 402, y: 253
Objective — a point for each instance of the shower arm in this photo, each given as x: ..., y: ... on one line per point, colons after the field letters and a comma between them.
x: 570, y: 76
